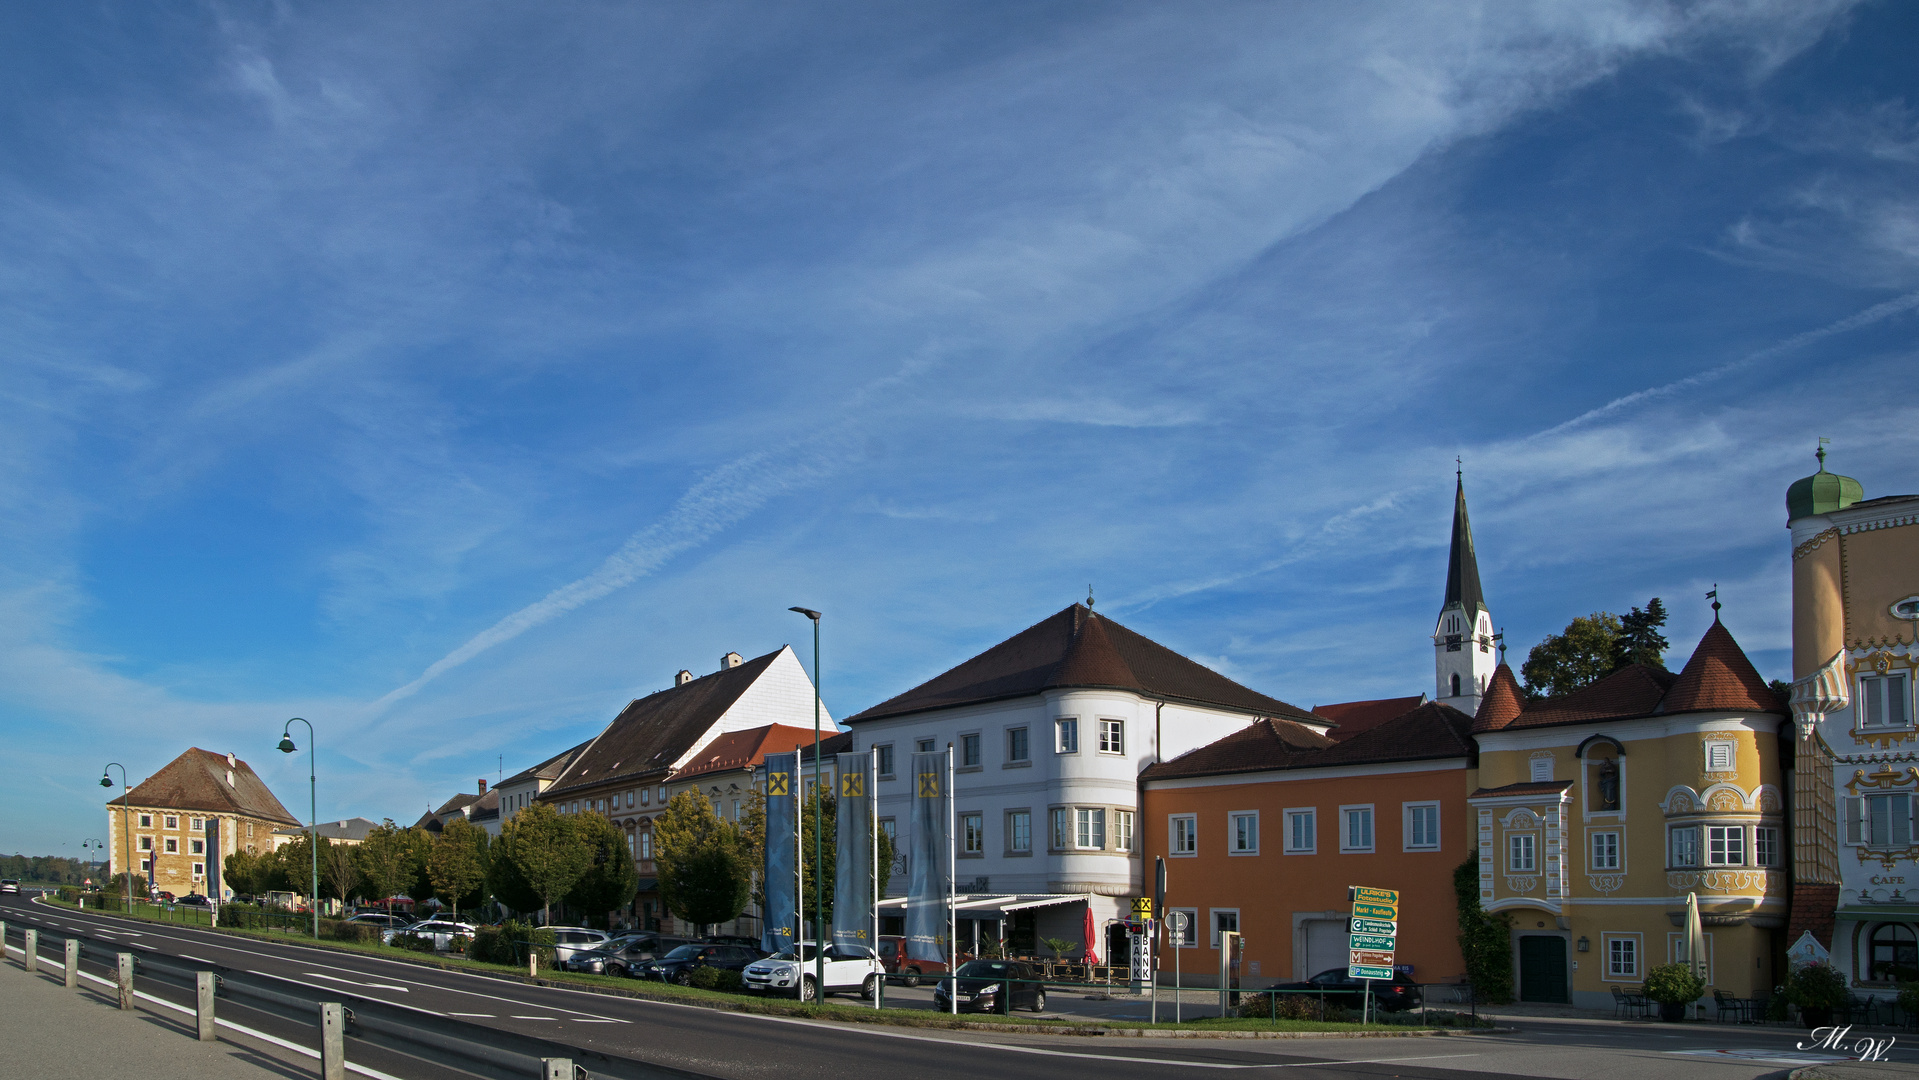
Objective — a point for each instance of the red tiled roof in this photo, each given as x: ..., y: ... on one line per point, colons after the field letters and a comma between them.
x: 1352, y: 717
x: 1502, y: 703
x: 1429, y: 731
x: 1544, y: 787
x: 197, y: 780
x: 744, y: 749
x: 1074, y: 648
x: 1634, y: 690
x: 1719, y: 677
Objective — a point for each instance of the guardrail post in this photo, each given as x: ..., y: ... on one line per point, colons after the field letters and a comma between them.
x: 126, y: 980
x: 332, y: 1041
x: 203, y: 1004
x: 73, y: 963
x: 32, y: 958
x: 556, y: 1069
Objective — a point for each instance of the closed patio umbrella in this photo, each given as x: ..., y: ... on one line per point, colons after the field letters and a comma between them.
x: 1092, y: 935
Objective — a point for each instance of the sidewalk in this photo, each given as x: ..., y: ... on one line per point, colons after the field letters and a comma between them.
x: 42, y: 1022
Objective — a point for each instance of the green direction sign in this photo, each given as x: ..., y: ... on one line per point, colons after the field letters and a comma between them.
x: 1371, y: 941
x: 1368, y: 971
x: 1362, y: 910
x: 1374, y: 926
x: 1375, y: 896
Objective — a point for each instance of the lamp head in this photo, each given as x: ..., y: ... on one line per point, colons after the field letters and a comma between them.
x: 106, y: 781
x: 808, y: 612
x: 286, y: 744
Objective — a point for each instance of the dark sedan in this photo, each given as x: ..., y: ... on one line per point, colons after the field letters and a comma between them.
x: 988, y: 986
x: 677, y: 966
x: 1338, y: 988
x: 622, y: 956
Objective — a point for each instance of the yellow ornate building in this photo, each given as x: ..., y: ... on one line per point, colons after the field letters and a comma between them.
x: 1601, y: 810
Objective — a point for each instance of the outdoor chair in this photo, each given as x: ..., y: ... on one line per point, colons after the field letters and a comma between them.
x: 1858, y: 1010
x: 1758, y: 1008
x: 1630, y: 1004
x: 1729, y: 1006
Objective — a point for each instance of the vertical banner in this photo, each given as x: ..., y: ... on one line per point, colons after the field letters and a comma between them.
x: 777, y: 922
x: 853, y: 861
x: 926, y: 894
x: 213, y: 859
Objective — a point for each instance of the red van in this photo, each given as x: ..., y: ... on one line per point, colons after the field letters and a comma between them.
x: 903, y: 969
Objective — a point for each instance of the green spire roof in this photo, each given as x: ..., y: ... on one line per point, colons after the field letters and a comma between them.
x: 1822, y: 492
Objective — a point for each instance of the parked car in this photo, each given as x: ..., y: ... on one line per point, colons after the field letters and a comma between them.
x: 380, y: 919
x: 195, y: 900
x: 677, y: 966
x: 624, y: 955
x: 903, y: 969
x: 9, y: 885
x: 987, y: 985
x: 570, y: 941
x: 442, y: 933
x: 1337, y: 987
x: 849, y: 969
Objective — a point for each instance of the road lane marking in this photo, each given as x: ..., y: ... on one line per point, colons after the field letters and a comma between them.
x: 196, y: 959
x: 598, y: 1020
x: 350, y: 982
x: 483, y: 1016
x: 555, y: 1018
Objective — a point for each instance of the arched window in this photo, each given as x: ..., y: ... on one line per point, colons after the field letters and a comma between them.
x: 1895, y: 953
x: 1455, y: 684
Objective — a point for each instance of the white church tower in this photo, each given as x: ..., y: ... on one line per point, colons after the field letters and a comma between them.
x: 1463, y: 653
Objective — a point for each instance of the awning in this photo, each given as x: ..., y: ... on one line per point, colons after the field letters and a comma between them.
x: 976, y: 904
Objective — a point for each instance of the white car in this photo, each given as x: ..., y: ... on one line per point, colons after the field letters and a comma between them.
x: 571, y: 941
x: 850, y: 969
x: 9, y: 885
x: 442, y: 933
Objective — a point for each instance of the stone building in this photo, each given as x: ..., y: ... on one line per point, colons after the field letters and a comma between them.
x: 181, y: 820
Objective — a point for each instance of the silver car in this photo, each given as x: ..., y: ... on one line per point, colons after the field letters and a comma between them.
x: 570, y: 941
x: 442, y: 933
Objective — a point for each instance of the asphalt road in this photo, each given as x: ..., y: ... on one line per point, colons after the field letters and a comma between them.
x: 682, y: 1040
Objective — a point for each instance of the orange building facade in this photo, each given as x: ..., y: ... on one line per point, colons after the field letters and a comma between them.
x: 1264, y: 831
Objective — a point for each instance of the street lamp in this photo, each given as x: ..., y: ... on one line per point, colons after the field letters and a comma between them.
x: 819, y: 828
x: 313, y: 795
x: 126, y: 821
x: 90, y: 845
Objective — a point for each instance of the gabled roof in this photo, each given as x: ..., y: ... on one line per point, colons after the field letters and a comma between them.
x: 1462, y: 567
x: 213, y: 783
x: 1349, y: 718
x: 1423, y: 733
x: 745, y: 749
x: 1718, y: 678
x: 549, y: 769
x: 651, y: 734
x: 351, y: 829
x: 1077, y: 648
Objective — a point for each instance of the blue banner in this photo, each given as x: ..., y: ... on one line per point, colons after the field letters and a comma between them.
x: 926, y: 896
x: 780, y: 921
x: 853, y: 862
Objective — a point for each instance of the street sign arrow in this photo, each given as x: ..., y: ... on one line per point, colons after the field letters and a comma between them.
x: 1371, y: 941
x: 1374, y: 926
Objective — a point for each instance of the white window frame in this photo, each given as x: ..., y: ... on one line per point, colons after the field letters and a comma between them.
x: 1189, y: 939
x: 199, y: 870
x: 1235, y: 834
x: 1519, y: 843
x: 1346, y: 845
x: 1726, y: 845
x: 173, y: 821
x: 1718, y: 748
x: 1860, y: 820
x: 195, y: 824
x: 1406, y: 820
x: 146, y: 821
x: 972, y: 829
x: 1617, y: 852
x: 1311, y: 814
x: 1877, y: 693
x: 1674, y: 840
x: 1636, y: 945
x: 1066, y: 735
x: 1212, y: 924
x: 1123, y: 836
x: 1013, y: 844
x: 1112, y: 736
x: 1088, y: 820
x: 1178, y: 827
x: 146, y: 843
x: 172, y: 846
x: 196, y: 847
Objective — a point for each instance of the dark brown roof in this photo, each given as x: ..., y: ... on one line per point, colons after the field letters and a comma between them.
x: 1544, y: 787
x: 1077, y: 648
x: 197, y: 780
x: 1429, y: 731
x: 1503, y: 701
x: 744, y: 749
x: 1718, y: 678
x: 1349, y: 718
x: 653, y: 733
x: 837, y: 743
x: 548, y: 769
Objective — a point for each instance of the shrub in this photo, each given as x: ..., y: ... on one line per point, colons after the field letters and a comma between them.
x: 1817, y: 986
x: 1291, y: 1007
x: 1909, y: 997
x: 341, y: 930
x: 1674, y: 984
x: 508, y: 942
x: 706, y: 978
x: 68, y: 894
x: 413, y: 942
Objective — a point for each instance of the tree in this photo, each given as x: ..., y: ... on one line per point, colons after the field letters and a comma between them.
x: 386, y: 858
x: 292, y: 867
x: 547, y: 853
x: 1639, y: 640
x: 1484, y: 940
x: 1577, y: 658
x: 243, y: 871
x: 504, y: 881
x: 457, y: 862
x: 703, y: 872
x: 339, y: 870
x: 612, y: 879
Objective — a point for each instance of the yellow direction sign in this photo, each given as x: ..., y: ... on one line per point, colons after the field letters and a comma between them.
x: 1375, y: 911
x: 1374, y: 896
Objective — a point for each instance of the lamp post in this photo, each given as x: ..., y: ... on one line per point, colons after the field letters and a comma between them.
x: 126, y: 821
x: 313, y: 795
x: 90, y: 845
x: 819, y: 828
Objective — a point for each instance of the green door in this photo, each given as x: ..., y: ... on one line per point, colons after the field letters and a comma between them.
x: 1542, y: 969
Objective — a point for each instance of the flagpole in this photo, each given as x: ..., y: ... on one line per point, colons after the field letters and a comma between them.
x: 873, y: 829
x: 952, y: 884
x: 799, y: 875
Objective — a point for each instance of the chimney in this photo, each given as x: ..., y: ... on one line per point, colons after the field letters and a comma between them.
x: 230, y: 762
x: 683, y: 677
x: 731, y: 660
x: 482, y: 785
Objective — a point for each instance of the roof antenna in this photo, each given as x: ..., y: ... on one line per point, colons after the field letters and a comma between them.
x: 1714, y: 597
x: 1821, y: 452
x: 1089, y: 597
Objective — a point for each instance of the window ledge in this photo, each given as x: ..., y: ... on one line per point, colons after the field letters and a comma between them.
x: 1027, y: 764
x: 966, y: 768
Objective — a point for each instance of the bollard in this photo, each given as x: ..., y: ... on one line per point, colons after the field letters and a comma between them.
x: 332, y: 1041
x: 73, y: 963
x: 32, y: 957
x: 556, y: 1069
x: 126, y: 980
x: 532, y: 964
x: 203, y: 1004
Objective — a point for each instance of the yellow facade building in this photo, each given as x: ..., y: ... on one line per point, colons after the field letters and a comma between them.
x: 181, y: 821
x: 1598, y: 812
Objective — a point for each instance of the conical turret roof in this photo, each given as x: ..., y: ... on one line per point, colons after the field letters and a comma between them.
x: 1462, y: 568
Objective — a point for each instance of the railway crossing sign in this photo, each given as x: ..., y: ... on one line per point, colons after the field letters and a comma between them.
x: 1373, y: 932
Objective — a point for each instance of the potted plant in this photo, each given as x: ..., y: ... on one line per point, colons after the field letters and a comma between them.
x: 1674, y: 986
x: 1818, y: 990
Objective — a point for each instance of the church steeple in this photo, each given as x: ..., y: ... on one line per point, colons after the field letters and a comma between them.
x: 1463, y: 656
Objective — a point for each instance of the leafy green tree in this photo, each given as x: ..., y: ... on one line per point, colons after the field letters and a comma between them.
x: 339, y: 870
x: 753, y: 834
x: 1484, y: 940
x: 1639, y: 640
x: 504, y: 881
x: 612, y: 879
x: 387, y: 861
x: 703, y: 872
x: 291, y: 867
x: 547, y: 853
x: 1577, y: 658
x: 456, y: 862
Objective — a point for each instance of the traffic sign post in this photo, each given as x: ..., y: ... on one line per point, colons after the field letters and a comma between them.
x: 1372, y: 934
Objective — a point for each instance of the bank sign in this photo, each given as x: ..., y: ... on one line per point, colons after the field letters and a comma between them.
x: 1373, y: 931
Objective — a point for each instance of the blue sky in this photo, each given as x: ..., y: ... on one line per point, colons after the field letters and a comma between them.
x: 450, y: 375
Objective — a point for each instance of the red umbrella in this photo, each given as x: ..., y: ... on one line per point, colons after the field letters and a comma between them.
x: 1092, y: 935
